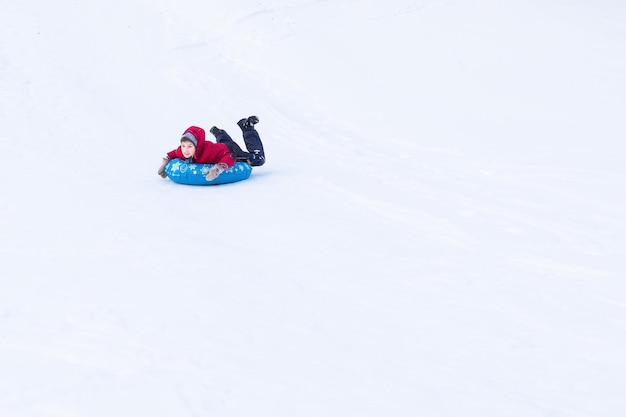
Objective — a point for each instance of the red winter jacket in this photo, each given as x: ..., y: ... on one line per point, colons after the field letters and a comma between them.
x: 207, y: 152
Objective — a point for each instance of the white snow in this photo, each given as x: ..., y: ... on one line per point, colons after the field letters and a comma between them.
x: 438, y: 231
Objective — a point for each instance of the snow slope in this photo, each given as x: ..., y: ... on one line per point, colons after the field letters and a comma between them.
x: 438, y: 231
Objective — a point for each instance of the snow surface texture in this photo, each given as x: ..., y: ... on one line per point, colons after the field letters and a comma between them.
x: 438, y: 230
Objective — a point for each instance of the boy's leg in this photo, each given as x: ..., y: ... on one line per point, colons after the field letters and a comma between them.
x: 252, y: 140
x: 222, y: 137
x: 255, y: 147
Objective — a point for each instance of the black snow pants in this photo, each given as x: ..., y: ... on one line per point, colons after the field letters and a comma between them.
x: 255, y: 155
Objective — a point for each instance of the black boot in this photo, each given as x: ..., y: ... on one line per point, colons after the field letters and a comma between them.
x: 215, y: 131
x: 247, y: 124
x: 256, y: 158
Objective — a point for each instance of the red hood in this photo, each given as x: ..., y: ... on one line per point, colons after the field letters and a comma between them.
x: 199, y: 134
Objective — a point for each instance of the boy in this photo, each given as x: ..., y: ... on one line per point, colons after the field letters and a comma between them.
x: 195, y: 148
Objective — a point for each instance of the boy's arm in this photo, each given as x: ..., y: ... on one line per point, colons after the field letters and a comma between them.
x: 227, y: 160
x: 161, y: 170
x: 224, y: 156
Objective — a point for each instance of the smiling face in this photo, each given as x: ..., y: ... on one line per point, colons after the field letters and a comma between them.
x: 188, y: 149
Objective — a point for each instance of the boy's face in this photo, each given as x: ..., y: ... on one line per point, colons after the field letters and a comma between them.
x: 187, y: 148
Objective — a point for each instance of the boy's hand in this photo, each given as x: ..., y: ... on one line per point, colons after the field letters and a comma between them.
x: 215, y: 171
x: 161, y: 170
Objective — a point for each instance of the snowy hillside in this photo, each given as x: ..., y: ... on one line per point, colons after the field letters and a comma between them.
x: 438, y: 230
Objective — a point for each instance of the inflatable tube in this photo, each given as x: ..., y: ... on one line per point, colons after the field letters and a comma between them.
x: 194, y: 174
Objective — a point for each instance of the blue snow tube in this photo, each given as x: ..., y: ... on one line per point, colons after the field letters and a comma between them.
x: 194, y: 174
